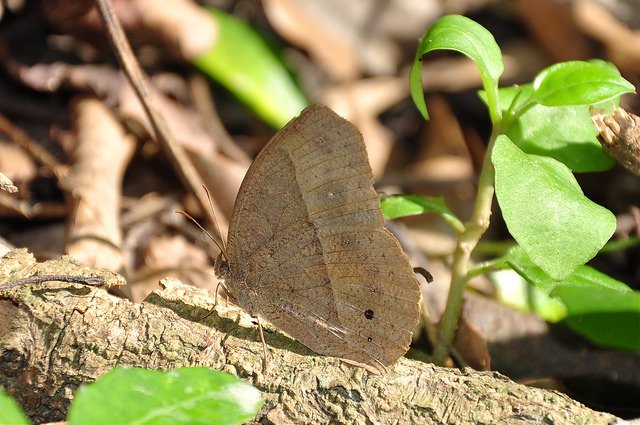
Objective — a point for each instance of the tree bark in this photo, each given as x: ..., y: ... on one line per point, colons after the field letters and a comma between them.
x: 55, y: 336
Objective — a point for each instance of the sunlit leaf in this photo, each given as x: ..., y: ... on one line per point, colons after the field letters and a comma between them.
x: 10, y: 412
x: 461, y: 34
x: 243, y: 62
x: 182, y: 396
x: 546, y: 211
x: 579, y: 83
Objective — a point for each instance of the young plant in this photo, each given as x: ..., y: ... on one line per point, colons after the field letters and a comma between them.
x: 542, y: 133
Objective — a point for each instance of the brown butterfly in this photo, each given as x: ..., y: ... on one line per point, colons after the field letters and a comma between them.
x: 308, y: 251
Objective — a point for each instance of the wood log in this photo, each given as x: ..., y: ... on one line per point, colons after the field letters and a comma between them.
x: 56, y: 336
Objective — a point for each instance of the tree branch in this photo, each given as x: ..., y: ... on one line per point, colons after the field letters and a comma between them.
x: 56, y: 336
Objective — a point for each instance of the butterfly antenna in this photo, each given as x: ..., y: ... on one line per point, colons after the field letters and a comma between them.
x: 216, y: 226
x: 188, y: 216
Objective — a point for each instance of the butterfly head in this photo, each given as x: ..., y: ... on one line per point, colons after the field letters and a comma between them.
x: 221, y: 266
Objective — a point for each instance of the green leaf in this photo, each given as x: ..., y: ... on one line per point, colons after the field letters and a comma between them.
x: 601, y: 308
x: 516, y: 99
x: 564, y: 133
x: 579, y: 83
x: 461, y: 34
x: 605, y: 316
x: 10, y: 412
x: 546, y: 211
x: 509, y: 94
x: 182, y: 396
x: 514, y: 291
x: 583, y: 276
x: 396, y: 206
x: 242, y: 62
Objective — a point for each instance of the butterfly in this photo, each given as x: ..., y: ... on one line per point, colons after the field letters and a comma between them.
x: 307, y: 249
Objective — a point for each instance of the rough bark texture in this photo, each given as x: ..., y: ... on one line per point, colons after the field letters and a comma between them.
x: 55, y: 336
x: 620, y: 136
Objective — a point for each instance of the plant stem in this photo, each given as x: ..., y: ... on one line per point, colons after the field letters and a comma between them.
x: 493, y: 248
x: 487, y: 267
x: 620, y: 245
x: 467, y: 241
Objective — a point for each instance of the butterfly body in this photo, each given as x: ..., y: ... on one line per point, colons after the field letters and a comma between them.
x: 308, y: 251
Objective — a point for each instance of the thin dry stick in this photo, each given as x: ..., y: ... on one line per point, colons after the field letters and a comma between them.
x: 205, y: 105
x: 92, y: 187
x: 181, y: 162
x: 88, y: 280
x: 22, y: 139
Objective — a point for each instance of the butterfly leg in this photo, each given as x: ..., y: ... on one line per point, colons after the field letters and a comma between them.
x: 217, y: 293
x: 264, y: 347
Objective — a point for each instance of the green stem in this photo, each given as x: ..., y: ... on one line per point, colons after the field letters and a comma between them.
x: 491, y: 89
x: 467, y: 241
x: 620, y: 245
x: 486, y: 267
x: 493, y: 248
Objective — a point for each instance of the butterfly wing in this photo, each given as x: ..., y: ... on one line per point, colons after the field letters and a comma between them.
x: 308, y: 250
